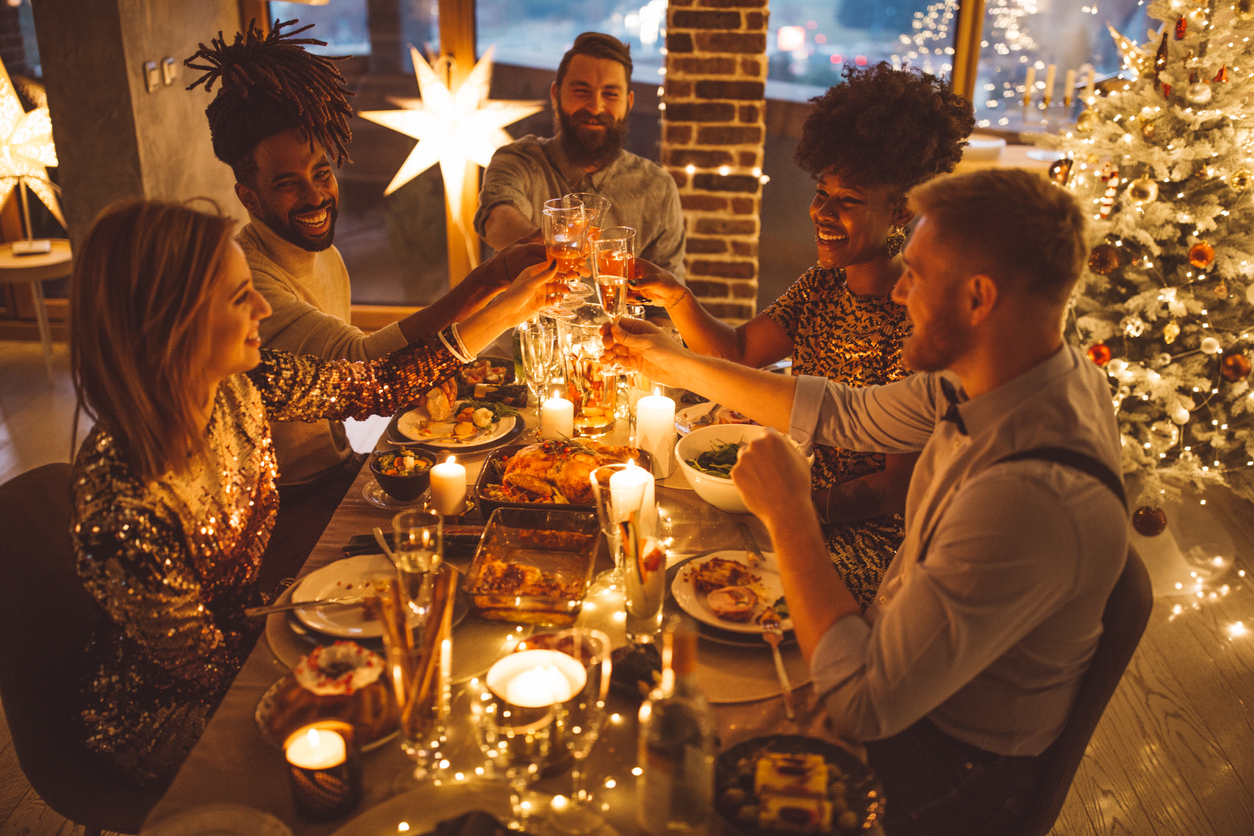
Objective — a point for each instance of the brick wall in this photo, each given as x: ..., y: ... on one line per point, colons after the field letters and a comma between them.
x: 713, y: 127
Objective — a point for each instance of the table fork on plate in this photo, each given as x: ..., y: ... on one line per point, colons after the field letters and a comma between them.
x: 774, y: 634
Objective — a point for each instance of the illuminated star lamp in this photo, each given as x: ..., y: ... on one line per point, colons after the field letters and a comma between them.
x: 452, y: 129
x: 26, y: 149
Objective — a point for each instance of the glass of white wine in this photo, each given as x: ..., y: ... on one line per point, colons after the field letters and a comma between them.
x: 613, y: 265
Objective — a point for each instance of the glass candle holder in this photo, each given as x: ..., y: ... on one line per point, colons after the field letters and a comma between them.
x: 324, y: 769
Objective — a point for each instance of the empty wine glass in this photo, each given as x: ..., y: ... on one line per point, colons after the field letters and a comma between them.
x: 579, y: 720
x: 537, y: 345
x: 565, y: 231
x: 613, y: 262
x: 623, y: 493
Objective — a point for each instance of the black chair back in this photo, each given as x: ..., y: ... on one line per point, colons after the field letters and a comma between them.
x: 46, y: 619
x: 1123, y: 621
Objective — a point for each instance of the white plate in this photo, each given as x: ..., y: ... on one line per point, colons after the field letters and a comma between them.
x: 220, y: 820
x: 343, y: 577
x: 768, y: 587
x: 685, y: 418
x: 412, y: 423
x: 1043, y: 155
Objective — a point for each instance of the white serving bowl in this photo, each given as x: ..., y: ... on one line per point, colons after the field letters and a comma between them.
x: 716, y: 490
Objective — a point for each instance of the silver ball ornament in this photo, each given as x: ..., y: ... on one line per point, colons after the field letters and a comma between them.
x: 1180, y: 415
x: 1198, y: 93
x: 1210, y: 345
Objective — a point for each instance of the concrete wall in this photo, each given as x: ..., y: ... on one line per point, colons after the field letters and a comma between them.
x: 114, y: 138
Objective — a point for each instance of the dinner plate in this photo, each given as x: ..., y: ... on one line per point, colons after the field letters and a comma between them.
x: 717, y: 635
x: 404, y: 429
x: 686, y: 419
x: 769, y: 588
x: 1044, y: 155
x: 220, y: 820
x: 735, y: 769
x: 265, y: 707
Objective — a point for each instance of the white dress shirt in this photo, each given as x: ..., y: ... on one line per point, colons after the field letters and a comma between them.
x: 990, y: 612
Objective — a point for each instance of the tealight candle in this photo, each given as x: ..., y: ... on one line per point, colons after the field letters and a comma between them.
x: 536, y: 678
x: 316, y: 749
x: 448, y: 488
x: 655, y: 431
x: 557, y: 418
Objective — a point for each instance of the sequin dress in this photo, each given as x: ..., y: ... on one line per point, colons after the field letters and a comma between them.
x: 174, y: 562
x: 854, y: 340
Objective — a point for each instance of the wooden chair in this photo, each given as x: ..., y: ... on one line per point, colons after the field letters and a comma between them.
x: 46, y: 618
x: 1123, y: 621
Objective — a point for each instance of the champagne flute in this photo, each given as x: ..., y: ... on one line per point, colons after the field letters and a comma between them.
x: 597, y: 213
x: 537, y: 344
x: 579, y: 720
x: 613, y: 265
x: 565, y: 230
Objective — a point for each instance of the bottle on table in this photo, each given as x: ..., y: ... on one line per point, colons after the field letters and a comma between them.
x: 675, y: 790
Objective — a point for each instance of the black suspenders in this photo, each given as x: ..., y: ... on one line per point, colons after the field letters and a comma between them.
x: 1075, y: 459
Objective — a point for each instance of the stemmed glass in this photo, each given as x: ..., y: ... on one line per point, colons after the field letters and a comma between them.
x: 624, y: 493
x: 613, y: 262
x: 565, y: 231
x: 596, y: 209
x: 514, y: 739
x: 580, y: 719
x: 537, y: 343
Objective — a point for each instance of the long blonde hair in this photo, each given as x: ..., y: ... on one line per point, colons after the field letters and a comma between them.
x: 138, y: 298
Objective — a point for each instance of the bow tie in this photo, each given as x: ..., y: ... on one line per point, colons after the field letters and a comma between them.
x: 952, y: 414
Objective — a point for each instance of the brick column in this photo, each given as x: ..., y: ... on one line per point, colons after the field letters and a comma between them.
x: 713, y: 127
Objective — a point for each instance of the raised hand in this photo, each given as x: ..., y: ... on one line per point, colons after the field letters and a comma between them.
x: 645, y: 348
x: 656, y: 286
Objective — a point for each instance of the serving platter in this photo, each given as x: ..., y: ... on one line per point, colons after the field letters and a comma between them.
x: 703, y: 415
x: 767, y: 586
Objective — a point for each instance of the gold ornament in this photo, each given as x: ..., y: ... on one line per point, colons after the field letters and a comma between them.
x: 1060, y: 171
x: 1104, y: 259
x: 1149, y: 128
x: 1241, y: 177
x: 1143, y: 190
x: 1086, y: 121
x: 1201, y: 255
x: 1170, y: 331
x: 1245, y: 9
x: 1198, y: 93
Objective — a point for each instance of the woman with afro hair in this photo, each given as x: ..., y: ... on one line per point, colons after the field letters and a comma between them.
x: 866, y: 142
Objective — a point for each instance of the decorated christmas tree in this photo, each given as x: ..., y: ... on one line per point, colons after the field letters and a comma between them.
x: 1165, y: 161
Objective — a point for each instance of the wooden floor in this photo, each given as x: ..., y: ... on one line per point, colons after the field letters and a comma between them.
x: 1174, y: 753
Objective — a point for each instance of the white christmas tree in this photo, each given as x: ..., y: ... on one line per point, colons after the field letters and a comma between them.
x: 1165, y: 162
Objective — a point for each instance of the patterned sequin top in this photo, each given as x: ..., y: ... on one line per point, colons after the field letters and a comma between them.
x: 174, y: 562
x: 854, y: 340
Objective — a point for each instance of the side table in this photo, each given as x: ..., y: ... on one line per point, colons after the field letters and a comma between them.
x: 36, y: 269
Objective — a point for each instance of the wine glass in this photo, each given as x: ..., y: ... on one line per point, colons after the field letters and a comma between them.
x: 537, y: 345
x: 596, y: 210
x: 565, y: 230
x: 624, y: 495
x: 579, y: 720
x: 613, y: 262
x: 514, y: 739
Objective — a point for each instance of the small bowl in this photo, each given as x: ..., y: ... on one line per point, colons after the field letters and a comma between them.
x: 716, y: 490
x: 403, y: 488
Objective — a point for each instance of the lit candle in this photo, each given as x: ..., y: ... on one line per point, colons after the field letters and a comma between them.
x: 631, y: 489
x: 1051, y: 73
x: 655, y: 431
x: 1028, y: 84
x: 557, y: 418
x: 1068, y: 88
x: 536, y: 678
x: 316, y: 749
x: 448, y: 488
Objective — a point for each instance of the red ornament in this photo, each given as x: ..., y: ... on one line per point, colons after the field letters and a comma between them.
x: 1149, y: 522
x: 1182, y: 26
x: 1234, y: 366
x: 1104, y: 259
x: 1099, y: 353
x: 1201, y: 255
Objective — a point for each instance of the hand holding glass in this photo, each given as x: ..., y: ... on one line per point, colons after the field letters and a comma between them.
x: 613, y: 262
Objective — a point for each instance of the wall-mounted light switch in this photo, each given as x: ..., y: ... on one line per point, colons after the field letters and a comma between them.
x: 169, y: 70
x: 152, y: 75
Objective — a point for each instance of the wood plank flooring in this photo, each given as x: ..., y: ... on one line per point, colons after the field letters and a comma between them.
x: 1174, y: 753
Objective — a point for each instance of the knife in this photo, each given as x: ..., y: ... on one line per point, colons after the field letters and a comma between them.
x: 343, y: 601
x: 751, y: 545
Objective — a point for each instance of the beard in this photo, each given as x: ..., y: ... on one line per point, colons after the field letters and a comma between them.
x: 289, y: 229
x: 934, y: 349
x: 587, y: 146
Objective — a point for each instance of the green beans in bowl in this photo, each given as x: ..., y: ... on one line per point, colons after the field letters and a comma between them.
x: 403, y: 474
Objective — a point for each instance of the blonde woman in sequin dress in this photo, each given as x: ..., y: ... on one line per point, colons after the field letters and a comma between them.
x: 174, y: 487
x: 866, y: 142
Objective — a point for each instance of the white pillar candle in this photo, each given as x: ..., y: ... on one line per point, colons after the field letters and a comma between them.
x: 1028, y: 84
x: 316, y: 749
x: 448, y: 487
x: 631, y: 489
x: 1051, y: 73
x: 536, y: 678
x: 1068, y: 88
x: 655, y: 431
x: 557, y: 418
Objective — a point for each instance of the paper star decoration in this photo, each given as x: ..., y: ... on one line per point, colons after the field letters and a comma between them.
x: 452, y: 129
x: 1136, y: 59
x: 26, y: 148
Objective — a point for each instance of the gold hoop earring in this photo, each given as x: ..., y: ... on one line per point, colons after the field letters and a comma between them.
x: 895, y: 242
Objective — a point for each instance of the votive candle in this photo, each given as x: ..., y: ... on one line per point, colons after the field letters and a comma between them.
x: 631, y: 489
x: 655, y: 431
x: 557, y: 418
x: 324, y: 770
x: 448, y: 487
x: 536, y: 678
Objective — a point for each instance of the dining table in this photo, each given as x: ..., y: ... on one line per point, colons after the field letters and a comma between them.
x: 234, y: 764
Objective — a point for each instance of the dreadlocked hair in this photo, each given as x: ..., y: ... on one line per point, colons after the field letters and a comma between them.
x: 271, y: 85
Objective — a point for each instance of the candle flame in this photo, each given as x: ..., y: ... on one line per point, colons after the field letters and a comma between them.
x: 451, y: 459
x: 313, y: 737
x: 657, y: 390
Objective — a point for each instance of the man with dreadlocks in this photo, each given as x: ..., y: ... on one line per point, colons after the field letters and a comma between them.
x: 592, y: 99
x: 279, y: 119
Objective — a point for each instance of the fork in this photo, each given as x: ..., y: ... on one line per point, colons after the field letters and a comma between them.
x: 773, y: 634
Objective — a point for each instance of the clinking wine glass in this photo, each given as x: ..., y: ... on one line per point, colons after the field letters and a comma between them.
x: 596, y: 210
x: 613, y: 263
x: 565, y: 231
x: 578, y: 721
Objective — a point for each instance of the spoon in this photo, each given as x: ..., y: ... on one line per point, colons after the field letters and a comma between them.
x: 383, y: 544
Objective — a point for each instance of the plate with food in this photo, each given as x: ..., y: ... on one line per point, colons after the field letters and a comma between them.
x: 351, y: 576
x: 792, y: 784
x: 466, y: 425
x: 707, y: 415
x: 551, y: 472
x: 731, y: 590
